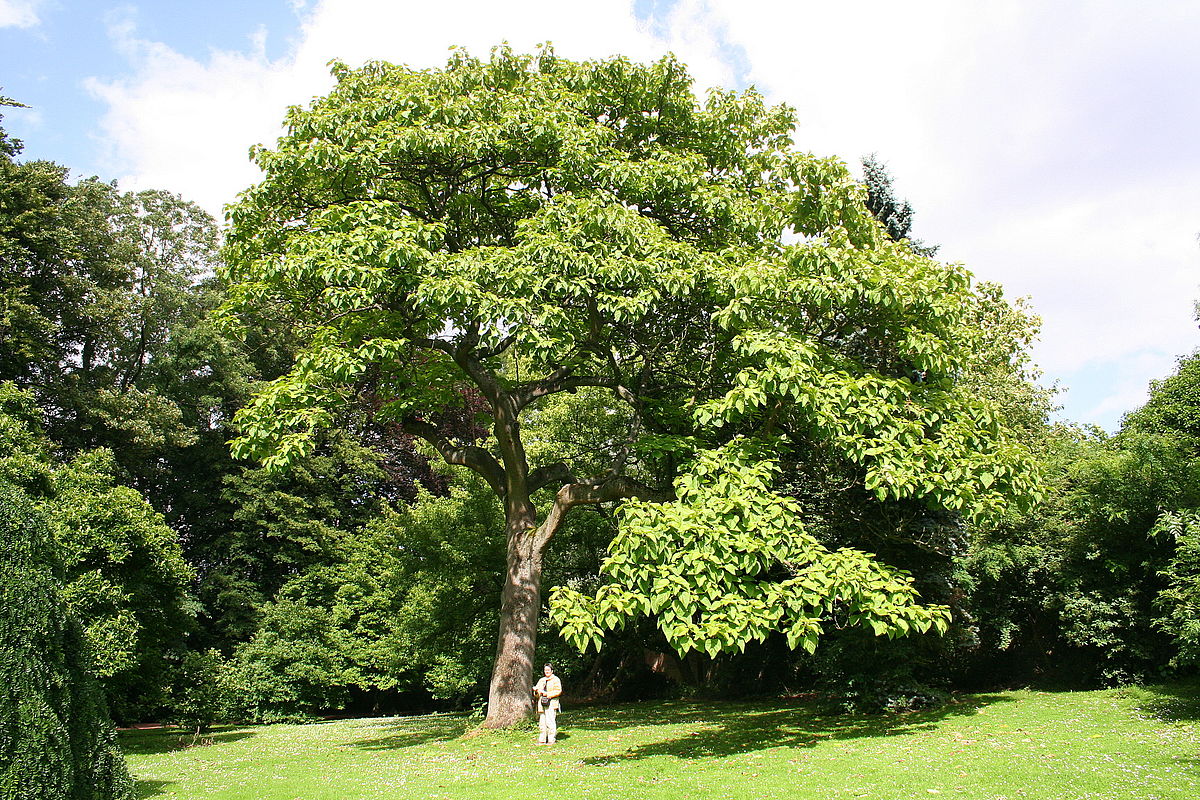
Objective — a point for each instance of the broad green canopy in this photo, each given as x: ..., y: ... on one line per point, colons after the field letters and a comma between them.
x: 527, y: 225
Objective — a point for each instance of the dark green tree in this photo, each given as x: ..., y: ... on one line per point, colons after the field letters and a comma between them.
x: 1173, y: 407
x: 124, y: 573
x: 200, y: 697
x: 103, y: 303
x: 56, y: 740
x: 104, y: 297
x: 1179, y: 601
x: 1093, y: 585
x: 894, y: 214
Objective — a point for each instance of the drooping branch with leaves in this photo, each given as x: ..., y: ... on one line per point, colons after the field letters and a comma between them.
x: 525, y: 226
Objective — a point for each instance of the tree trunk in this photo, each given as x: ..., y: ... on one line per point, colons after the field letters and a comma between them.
x: 510, y: 698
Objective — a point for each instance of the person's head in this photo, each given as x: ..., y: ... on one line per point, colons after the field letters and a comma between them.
x: 547, y: 670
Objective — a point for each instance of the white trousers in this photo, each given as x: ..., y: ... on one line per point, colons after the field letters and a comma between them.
x: 548, y: 726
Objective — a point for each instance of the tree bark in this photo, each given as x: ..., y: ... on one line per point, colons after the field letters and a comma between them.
x: 510, y: 696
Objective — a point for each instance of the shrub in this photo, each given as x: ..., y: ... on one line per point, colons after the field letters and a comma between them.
x: 200, y: 697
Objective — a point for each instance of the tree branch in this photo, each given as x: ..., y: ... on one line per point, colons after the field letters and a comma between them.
x: 561, y: 380
x: 500, y: 347
x: 604, y: 490
x: 558, y: 473
x: 472, y: 457
x: 434, y: 344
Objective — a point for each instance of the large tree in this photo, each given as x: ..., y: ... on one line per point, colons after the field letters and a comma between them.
x: 103, y: 302
x: 474, y: 239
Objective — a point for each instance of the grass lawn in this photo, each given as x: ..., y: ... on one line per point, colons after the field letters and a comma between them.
x: 1129, y: 743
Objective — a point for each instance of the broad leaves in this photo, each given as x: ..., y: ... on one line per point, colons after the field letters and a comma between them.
x: 729, y: 562
x: 527, y: 225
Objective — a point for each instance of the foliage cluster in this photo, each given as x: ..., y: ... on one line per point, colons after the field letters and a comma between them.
x: 56, y: 739
x: 1099, y: 583
x: 728, y: 562
x: 124, y: 570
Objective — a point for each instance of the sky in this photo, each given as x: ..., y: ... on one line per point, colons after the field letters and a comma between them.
x: 1049, y: 145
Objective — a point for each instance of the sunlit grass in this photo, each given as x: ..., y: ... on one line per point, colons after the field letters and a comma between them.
x: 1135, y: 743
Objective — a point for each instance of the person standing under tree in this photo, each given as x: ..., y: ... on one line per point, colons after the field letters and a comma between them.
x: 546, y: 692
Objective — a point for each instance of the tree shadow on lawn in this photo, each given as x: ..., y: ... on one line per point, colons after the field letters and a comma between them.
x: 413, y: 731
x: 1177, y: 702
x: 166, y: 740
x: 145, y: 789
x: 739, y: 728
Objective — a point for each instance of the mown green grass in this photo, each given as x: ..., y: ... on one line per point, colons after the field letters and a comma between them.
x: 1140, y: 744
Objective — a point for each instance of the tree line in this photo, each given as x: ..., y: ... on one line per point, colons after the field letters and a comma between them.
x: 523, y: 324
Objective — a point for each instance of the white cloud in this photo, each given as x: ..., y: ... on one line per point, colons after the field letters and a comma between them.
x: 1112, y: 273
x: 1049, y: 146
x: 187, y: 126
x: 19, y: 13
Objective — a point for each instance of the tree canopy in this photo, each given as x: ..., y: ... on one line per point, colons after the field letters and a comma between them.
x: 472, y: 240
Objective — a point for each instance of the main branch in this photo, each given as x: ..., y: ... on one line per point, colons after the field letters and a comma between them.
x: 602, y: 490
x: 472, y: 457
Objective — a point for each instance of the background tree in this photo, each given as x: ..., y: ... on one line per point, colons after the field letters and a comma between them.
x: 1093, y: 586
x: 894, y: 214
x: 275, y: 528
x: 103, y: 304
x: 526, y: 226
x: 124, y: 574
x: 1179, y: 601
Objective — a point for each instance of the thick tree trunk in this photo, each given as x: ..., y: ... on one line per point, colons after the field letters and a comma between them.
x: 510, y: 699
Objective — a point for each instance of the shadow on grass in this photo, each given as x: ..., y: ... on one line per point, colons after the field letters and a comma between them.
x: 1176, y: 702
x: 739, y: 728
x: 166, y: 740
x: 151, y: 788
x: 414, y: 731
